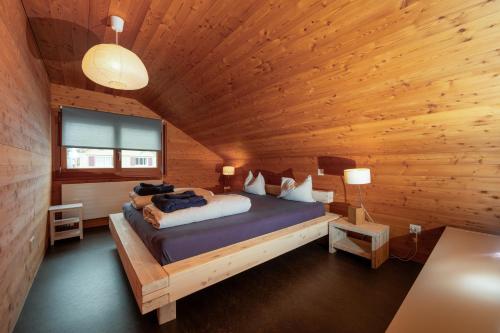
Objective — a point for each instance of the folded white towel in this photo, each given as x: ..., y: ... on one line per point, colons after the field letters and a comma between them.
x: 217, y: 206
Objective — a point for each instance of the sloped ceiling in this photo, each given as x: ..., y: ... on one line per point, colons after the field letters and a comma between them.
x: 289, y: 78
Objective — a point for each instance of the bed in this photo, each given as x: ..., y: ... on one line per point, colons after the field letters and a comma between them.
x: 162, y: 269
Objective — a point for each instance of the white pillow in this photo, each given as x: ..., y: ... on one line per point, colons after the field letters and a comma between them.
x: 291, y: 191
x: 255, y: 185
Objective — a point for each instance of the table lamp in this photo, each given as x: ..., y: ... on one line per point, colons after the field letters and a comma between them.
x: 358, y: 176
x: 227, y: 171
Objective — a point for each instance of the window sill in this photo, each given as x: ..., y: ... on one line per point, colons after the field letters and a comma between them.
x: 103, y: 175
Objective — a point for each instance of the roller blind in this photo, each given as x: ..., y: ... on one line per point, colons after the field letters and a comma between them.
x: 94, y: 129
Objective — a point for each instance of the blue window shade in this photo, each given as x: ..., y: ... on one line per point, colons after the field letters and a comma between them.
x: 94, y: 129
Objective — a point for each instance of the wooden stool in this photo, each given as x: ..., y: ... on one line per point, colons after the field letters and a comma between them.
x: 56, y: 235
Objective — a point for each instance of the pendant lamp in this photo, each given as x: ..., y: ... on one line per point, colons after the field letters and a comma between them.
x: 113, y: 66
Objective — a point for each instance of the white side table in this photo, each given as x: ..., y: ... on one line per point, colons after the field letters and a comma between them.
x: 377, y: 250
x: 56, y: 235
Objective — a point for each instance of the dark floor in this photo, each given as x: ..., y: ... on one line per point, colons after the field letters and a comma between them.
x: 81, y: 287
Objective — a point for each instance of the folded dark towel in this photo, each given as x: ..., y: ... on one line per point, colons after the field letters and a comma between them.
x: 151, y: 189
x: 183, y: 195
x: 168, y: 203
x: 149, y: 185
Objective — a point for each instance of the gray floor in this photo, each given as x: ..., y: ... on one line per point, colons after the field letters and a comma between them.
x: 81, y: 287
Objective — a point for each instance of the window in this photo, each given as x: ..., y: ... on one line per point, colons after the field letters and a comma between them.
x: 86, y: 158
x: 138, y: 159
x: 110, y: 145
x: 114, y: 160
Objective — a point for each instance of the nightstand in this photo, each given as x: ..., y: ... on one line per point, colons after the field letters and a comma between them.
x: 377, y: 249
x: 68, y: 222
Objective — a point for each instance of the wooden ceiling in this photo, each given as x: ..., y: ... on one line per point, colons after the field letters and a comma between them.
x: 273, y: 78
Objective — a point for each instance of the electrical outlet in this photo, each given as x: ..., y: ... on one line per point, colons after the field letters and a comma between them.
x: 415, y: 228
x: 321, y: 172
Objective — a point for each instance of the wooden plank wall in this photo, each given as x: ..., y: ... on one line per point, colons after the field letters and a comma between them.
x: 188, y: 163
x: 25, y: 160
x: 433, y: 190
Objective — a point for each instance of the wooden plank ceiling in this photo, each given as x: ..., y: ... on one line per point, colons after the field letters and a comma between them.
x: 260, y: 78
x: 409, y: 88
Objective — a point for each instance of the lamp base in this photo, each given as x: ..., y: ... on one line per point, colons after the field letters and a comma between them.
x: 356, y: 215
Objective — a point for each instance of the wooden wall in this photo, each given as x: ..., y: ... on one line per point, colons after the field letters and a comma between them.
x: 433, y: 190
x: 24, y: 162
x: 187, y: 162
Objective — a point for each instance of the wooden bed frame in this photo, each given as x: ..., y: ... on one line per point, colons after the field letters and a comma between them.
x: 158, y: 287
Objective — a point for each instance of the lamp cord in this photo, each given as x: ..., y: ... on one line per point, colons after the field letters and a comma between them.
x: 408, y: 257
x: 363, y: 206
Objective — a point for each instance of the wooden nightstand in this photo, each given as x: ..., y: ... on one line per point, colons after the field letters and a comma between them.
x: 377, y: 250
x: 68, y: 221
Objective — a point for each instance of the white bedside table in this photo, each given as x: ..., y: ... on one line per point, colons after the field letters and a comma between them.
x: 76, y: 232
x: 377, y: 250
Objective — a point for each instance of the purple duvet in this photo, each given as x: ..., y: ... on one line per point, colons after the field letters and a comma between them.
x: 267, y: 214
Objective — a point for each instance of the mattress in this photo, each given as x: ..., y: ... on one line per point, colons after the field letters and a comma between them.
x: 267, y: 214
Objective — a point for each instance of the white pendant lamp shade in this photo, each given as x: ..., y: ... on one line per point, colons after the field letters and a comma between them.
x: 114, y: 66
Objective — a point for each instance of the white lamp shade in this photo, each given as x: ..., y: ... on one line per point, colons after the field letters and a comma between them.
x: 228, y: 170
x: 357, y: 176
x: 114, y: 66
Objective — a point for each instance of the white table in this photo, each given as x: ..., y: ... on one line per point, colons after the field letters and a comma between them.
x: 458, y: 289
x: 76, y: 232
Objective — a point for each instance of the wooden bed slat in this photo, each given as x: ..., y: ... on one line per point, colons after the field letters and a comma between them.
x: 146, y: 276
x: 193, y: 274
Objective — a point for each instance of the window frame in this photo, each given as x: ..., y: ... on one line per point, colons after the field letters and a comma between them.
x: 117, y: 166
x: 158, y: 160
x: 64, y: 162
x: 140, y: 171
